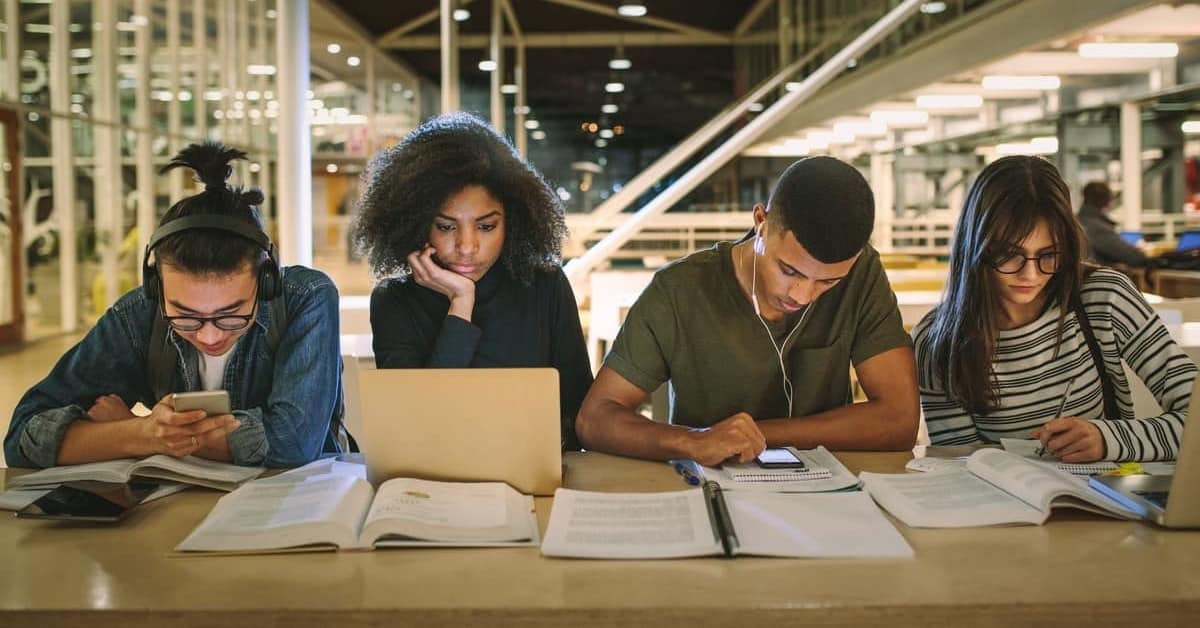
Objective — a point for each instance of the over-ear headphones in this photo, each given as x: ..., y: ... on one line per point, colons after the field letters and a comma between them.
x: 270, y: 284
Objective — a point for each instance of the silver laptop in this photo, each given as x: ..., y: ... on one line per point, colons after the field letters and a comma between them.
x: 462, y: 425
x: 1172, y: 501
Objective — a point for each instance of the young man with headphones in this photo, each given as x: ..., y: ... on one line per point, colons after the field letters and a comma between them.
x: 215, y: 311
x: 757, y: 338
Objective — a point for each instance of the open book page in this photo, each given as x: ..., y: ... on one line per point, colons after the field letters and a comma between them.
x: 822, y: 472
x: 947, y: 499
x: 674, y: 524
x: 194, y: 470
x: 322, y: 510
x: 832, y: 525
x: 116, y: 471
x: 1039, y: 485
x: 453, y: 512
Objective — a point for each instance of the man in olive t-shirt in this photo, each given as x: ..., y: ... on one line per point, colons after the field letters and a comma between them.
x: 757, y: 338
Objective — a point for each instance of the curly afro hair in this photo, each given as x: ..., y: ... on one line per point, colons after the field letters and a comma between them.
x: 406, y: 185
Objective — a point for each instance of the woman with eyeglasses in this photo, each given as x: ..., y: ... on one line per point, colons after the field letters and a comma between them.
x: 1028, y: 341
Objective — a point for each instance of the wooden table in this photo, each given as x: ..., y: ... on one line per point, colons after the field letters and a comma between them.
x: 1078, y: 570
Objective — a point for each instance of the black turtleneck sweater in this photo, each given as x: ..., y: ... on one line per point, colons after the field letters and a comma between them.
x: 513, y: 325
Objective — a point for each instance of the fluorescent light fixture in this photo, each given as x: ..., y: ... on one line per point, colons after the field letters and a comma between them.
x: 1191, y: 127
x: 606, y: 133
x: 861, y: 127
x: 252, y: 94
x: 609, y: 108
x: 353, y: 61
x: 538, y: 135
x: 461, y: 15
x: 272, y: 14
x: 791, y: 86
x: 333, y: 48
x: 184, y: 96
x: 949, y: 101
x: 508, y: 88
x: 331, y: 168
x: 162, y: 94
x: 487, y: 65
x: 255, y: 166
x: 614, y: 88
x: 933, y: 8
x: 755, y: 107
x: 1035, y: 81
x: 212, y: 94
x: 532, y: 124
x: 601, y: 143
x: 619, y: 63
x: 81, y: 53
x: 522, y: 110
x: 631, y: 9
x: 260, y: 70
x: 1129, y: 50
x: 900, y: 117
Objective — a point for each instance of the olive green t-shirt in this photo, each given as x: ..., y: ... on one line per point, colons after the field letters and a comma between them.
x: 694, y: 327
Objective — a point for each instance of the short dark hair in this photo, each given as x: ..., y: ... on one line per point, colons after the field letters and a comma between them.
x: 406, y: 185
x: 1097, y: 194
x: 211, y: 251
x: 827, y: 205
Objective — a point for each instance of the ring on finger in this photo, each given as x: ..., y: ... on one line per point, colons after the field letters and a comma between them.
x: 195, y: 442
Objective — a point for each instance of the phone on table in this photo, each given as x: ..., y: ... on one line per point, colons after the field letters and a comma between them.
x: 104, y: 502
x: 779, y: 458
x: 212, y: 402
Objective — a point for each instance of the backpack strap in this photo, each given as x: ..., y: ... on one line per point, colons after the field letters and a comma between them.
x: 162, y: 361
x: 1106, y: 385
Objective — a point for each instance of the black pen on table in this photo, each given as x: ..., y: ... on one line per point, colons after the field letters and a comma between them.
x: 1062, y: 405
x: 718, y: 512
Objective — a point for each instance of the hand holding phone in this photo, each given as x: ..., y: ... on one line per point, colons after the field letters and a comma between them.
x: 212, y: 402
x: 779, y: 458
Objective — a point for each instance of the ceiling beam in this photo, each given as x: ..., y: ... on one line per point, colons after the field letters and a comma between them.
x: 751, y: 17
x: 387, y: 38
x: 650, y: 20
x: 601, y: 39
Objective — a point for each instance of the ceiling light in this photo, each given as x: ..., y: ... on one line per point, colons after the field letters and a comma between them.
x: 261, y: 70
x: 609, y: 108
x: 614, y: 88
x: 618, y: 63
x: 353, y: 61
x: 861, y: 127
x: 487, y: 65
x: 1191, y: 127
x: 333, y: 48
x: 1129, y: 50
x: 1003, y: 82
x: 532, y: 124
x: 949, y: 101
x: 933, y: 8
x: 606, y: 133
x: 601, y: 143
x: 631, y: 9
x: 461, y: 15
x: 521, y: 110
x: 755, y: 107
x: 619, y: 130
x: 538, y: 135
x: 900, y: 117
x: 791, y: 86
x: 509, y: 88
x: 331, y: 168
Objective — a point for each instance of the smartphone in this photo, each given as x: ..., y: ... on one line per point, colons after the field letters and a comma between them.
x: 103, y: 502
x: 779, y: 458
x: 212, y: 402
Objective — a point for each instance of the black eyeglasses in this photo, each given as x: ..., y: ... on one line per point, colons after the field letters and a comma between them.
x: 224, y: 322
x: 1047, y: 263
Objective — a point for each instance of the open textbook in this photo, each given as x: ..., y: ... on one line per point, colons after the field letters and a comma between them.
x: 709, y: 522
x: 996, y: 488
x: 343, y: 511
x: 187, y: 470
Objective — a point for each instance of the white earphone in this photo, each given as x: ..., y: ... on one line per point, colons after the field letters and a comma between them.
x: 760, y: 247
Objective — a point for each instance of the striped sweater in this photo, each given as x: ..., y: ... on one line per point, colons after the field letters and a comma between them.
x: 1033, y: 379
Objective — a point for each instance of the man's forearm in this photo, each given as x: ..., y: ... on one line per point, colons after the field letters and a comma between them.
x: 614, y: 429
x: 870, y: 426
x: 91, y: 441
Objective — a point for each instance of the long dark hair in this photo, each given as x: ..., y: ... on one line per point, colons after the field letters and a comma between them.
x: 1003, y: 206
x: 407, y: 184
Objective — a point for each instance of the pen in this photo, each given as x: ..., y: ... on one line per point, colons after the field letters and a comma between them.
x: 1062, y: 405
x: 718, y: 513
x: 689, y: 470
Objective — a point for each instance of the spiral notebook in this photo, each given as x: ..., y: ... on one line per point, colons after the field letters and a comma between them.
x: 1028, y: 449
x: 822, y: 472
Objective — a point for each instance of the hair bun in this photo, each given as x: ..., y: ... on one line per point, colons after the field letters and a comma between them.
x: 209, y: 160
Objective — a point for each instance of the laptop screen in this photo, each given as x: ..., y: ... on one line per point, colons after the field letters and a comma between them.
x: 1132, y: 237
x: 1188, y: 240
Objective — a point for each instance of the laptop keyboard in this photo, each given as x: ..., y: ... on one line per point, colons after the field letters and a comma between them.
x: 1158, y: 498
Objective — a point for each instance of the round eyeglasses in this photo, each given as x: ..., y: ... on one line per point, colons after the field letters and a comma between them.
x: 1047, y: 263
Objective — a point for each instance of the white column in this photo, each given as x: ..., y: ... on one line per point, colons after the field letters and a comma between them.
x: 223, y: 71
x: 174, y: 126
x: 1131, y: 166
x: 244, y: 137
x: 12, y: 51
x: 110, y: 229
x: 200, y: 54
x: 520, y: 133
x: 64, y: 164
x: 147, y: 217
x: 882, y: 186
x: 294, y: 137
x: 496, y: 53
x: 449, y: 32
x: 372, y: 96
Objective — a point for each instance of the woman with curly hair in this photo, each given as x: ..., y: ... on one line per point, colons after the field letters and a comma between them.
x: 473, y: 236
x: 1029, y: 341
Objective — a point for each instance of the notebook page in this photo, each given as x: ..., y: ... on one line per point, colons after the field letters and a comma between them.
x: 586, y: 524
x: 822, y: 525
x: 947, y: 499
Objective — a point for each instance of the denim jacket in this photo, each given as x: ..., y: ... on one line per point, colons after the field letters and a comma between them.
x: 289, y: 404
